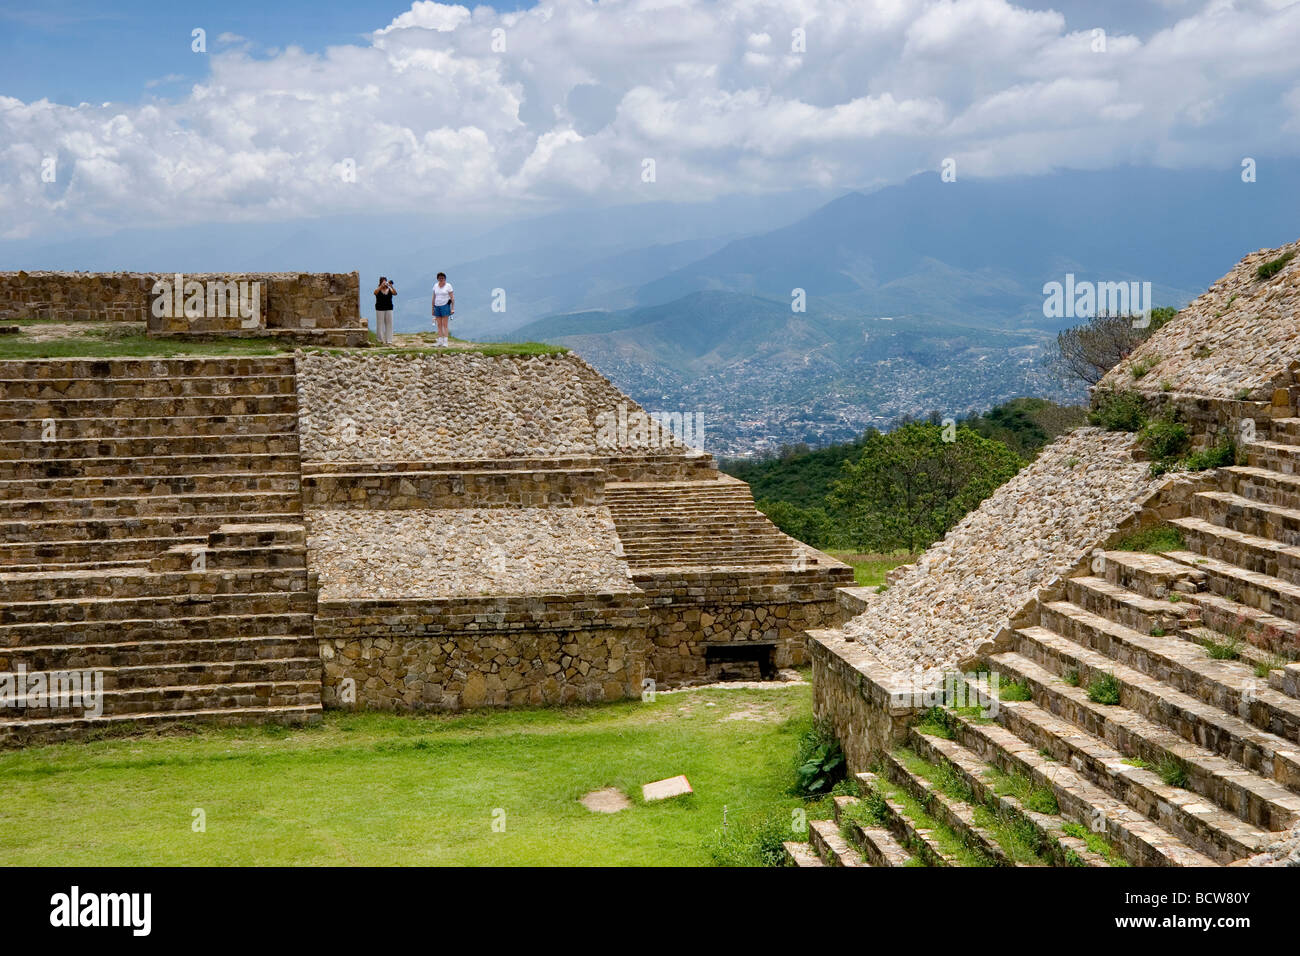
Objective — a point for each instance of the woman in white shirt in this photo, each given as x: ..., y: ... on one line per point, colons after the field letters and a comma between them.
x: 444, y: 307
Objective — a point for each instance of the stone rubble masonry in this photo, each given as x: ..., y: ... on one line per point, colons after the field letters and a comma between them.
x: 1239, y: 340
x: 464, y: 552
x: 692, y: 609
x: 498, y: 651
x: 437, y: 483
x: 460, y: 406
x: 965, y: 589
x: 316, y: 308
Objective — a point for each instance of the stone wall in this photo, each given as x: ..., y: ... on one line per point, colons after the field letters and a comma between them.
x: 854, y: 694
x: 492, y: 651
x: 432, y: 485
x: 694, y: 610
x: 314, y: 307
x: 1237, y: 341
x: 462, y: 407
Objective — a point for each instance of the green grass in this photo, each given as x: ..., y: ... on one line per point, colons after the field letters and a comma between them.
x: 105, y: 344
x: 1153, y: 540
x: 457, y: 347
x: 374, y: 789
x: 1104, y: 689
x: 1015, y: 691
x: 948, y: 841
x: 1095, y: 842
x: 1031, y: 796
x: 1017, y: 837
x: 869, y: 570
x: 1228, y: 649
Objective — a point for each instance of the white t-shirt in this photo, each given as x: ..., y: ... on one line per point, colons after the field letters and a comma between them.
x: 442, y: 294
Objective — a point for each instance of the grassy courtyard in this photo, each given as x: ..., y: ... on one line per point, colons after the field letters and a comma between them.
x: 375, y: 789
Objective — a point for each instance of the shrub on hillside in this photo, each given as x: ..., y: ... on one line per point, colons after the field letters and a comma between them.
x: 910, y: 486
x: 1117, y: 411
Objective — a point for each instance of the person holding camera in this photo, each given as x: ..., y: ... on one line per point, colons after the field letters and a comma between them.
x: 384, y: 293
x: 444, y: 307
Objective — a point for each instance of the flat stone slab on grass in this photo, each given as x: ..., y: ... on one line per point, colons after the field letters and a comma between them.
x: 609, y: 800
x: 663, y: 789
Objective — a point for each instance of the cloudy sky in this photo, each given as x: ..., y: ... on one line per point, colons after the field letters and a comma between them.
x: 110, y: 118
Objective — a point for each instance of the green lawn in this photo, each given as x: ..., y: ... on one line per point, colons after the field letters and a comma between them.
x: 128, y: 340
x: 383, y: 789
x: 869, y: 569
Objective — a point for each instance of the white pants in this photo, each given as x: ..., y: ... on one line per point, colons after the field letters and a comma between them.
x: 384, y: 326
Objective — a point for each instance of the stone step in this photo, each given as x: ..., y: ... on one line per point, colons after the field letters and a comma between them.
x: 131, y: 677
x: 875, y: 845
x: 201, y: 407
x: 1150, y: 575
x: 1276, y: 456
x: 53, y: 730
x: 187, y: 623
x: 120, y: 452
x: 127, y: 583
x: 108, y: 531
x: 1138, y: 839
x: 258, y: 535
x: 134, y: 486
x: 916, y: 840
x: 191, y: 558
x: 163, y: 465
x: 1287, y: 429
x: 1230, y: 763
x: 189, y: 697
x: 1246, y: 551
x: 246, y: 503
x: 1251, y: 517
x: 182, y: 651
x: 1063, y: 848
x: 1133, y: 610
x: 1262, y: 484
x: 1260, y: 628
x: 157, y: 607
x: 62, y: 389
x: 1228, y: 685
x: 61, y: 430
x: 801, y: 855
x: 957, y: 815
x: 152, y: 368
x: 1260, y: 591
x: 825, y: 838
x: 1250, y: 656
x: 60, y: 566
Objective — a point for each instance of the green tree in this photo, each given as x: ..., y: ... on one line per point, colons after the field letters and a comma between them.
x: 812, y: 526
x: 909, y: 486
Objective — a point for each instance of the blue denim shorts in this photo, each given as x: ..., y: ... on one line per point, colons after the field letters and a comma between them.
x: 442, y: 309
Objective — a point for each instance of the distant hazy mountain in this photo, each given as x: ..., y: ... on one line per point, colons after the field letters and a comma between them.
x: 979, y: 251
x: 763, y: 375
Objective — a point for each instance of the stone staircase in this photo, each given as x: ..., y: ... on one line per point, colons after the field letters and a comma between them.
x: 1152, y: 705
x: 151, y: 529
x: 706, y: 523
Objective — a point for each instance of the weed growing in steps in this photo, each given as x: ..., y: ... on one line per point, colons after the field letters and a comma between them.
x: 1104, y: 689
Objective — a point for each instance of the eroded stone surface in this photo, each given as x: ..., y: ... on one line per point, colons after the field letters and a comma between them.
x: 1031, y: 530
x: 462, y: 406
x: 1236, y: 339
x: 465, y: 552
